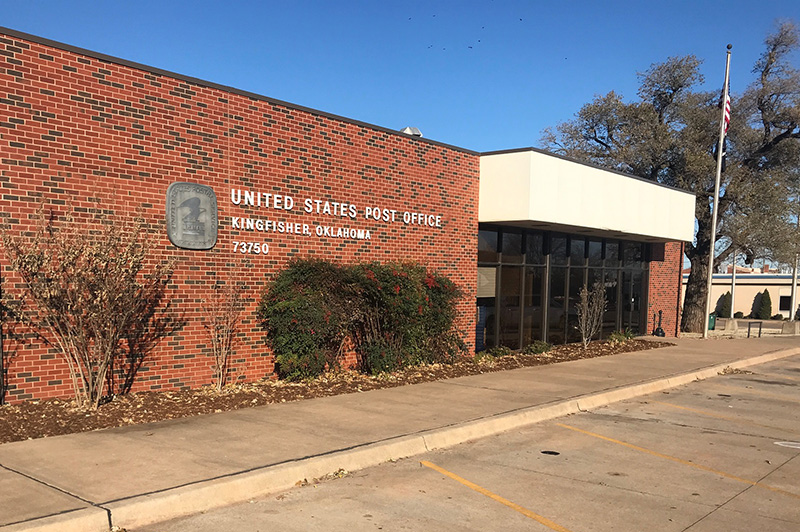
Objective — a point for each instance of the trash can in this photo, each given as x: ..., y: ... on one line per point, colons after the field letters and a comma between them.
x: 712, y: 321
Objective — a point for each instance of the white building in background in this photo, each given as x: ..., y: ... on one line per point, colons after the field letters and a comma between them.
x: 750, y: 282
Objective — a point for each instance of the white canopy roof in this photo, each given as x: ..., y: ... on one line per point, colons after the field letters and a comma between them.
x: 530, y: 188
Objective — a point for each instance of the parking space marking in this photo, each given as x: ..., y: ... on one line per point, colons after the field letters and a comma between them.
x: 681, y: 461
x: 752, y: 391
x: 778, y: 376
x: 483, y: 491
x: 720, y: 416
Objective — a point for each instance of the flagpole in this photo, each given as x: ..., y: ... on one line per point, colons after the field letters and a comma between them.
x: 722, y: 129
x: 793, y: 298
x: 733, y: 285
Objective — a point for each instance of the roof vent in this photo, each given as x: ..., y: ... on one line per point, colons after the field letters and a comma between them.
x: 414, y: 132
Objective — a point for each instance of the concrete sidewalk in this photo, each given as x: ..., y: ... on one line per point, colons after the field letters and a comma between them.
x: 144, y: 474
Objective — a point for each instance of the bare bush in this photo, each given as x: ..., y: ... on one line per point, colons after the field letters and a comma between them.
x: 221, y: 319
x: 86, y: 292
x: 9, y: 330
x: 590, y: 311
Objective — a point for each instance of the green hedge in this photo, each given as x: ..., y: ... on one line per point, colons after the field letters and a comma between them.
x: 724, y: 305
x: 765, y: 306
x: 396, y: 314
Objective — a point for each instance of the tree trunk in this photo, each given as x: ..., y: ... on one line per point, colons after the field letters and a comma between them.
x: 694, y: 317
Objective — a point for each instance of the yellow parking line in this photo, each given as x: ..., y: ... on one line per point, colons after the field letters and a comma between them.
x: 753, y: 391
x: 471, y: 485
x: 719, y: 416
x: 681, y: 461
x: 779, y: 376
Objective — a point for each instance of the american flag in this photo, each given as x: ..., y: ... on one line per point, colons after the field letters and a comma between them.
x: 727, y: 118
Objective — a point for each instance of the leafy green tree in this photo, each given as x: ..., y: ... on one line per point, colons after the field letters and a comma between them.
x: 670, y: 136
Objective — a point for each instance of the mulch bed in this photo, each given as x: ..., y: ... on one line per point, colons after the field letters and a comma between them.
x: 53, y: 417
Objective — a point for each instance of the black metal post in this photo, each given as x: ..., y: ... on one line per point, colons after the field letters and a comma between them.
x: 659, y: 331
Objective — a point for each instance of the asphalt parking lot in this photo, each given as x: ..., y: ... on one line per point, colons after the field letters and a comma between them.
x: 714, y: 455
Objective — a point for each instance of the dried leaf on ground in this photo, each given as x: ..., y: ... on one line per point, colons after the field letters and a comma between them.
x: 53, y: 417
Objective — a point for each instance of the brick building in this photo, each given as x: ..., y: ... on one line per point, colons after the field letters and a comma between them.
x: 104, y: 138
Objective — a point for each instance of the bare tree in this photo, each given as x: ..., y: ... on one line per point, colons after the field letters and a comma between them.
x: 590, y: 311
x: 221, y: 319
x: 85, y: 292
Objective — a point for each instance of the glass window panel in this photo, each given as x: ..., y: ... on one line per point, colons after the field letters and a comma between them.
x: 487, y: 246
x: 487, y: 279
x: 558, y: 250
x: 576, y: 282
x: 532, y: 301
x: 612, y: 254
x: 631, y: 299
x: 595, y: 253
x: 577, y: 250
x: 533, y: 248
x: 636, y: 304
x: 509, y: 307
x: 512, y: 248
x: 612, y: 308
x: 485, y: 336
x: 595, y: 276
x: 626, y: 298
x: 632, y: 254
x: 555, y: 313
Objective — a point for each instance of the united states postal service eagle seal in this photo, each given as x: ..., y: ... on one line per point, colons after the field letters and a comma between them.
x: 192, y: 216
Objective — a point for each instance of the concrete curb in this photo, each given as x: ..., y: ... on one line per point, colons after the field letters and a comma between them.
x: 85, y: 520
x: 186, y: 500
x: 218, y: 492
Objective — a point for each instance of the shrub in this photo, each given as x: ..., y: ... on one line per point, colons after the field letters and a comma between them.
x: 409, y: 308
x: 493, y: 353
x: 221, y: 319
x: 765, y: 307
x: 536, y: 348
x: 724, y: 305
x: 380, y: 357
x: 499, y: 351
x: 396, y: 314
x: 90, y: 294
x: 445, y: 348
x: 738, y: 315
x: 8, y: 329
x: 778, y: 317
x: 483, y: 357
x: 590, y: 309
x: 306, y: 317
x: 620, y: 337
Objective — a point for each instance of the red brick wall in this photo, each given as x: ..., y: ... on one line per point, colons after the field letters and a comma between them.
x: 82, y: 131
x: 664, y: 290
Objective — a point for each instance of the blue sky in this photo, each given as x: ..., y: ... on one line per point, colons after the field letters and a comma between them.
x: 484, y: 75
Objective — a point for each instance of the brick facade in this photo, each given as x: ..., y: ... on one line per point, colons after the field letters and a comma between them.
x: 82, y: 132
x: 664, y: 290
x: 102, y: 137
